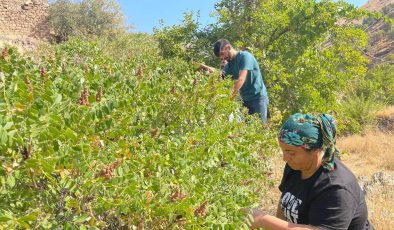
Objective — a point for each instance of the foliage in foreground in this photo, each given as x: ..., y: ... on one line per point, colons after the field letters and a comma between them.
x: 88, y: 141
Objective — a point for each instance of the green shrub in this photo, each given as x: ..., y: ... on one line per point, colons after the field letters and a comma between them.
x: 364, y: 96
x: 87, y: 18
x: 379, y: 84
x: 96, y: 141
x: 358, y: 113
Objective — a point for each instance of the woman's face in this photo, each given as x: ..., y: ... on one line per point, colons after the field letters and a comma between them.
x: 297, y: 157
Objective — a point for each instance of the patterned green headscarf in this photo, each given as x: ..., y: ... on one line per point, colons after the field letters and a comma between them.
x: 311, y: 132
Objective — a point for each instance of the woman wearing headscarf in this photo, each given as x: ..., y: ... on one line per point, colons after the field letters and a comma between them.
x: 318, y: 190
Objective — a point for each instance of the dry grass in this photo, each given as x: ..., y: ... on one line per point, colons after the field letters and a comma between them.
x: 381, y: 208
x: 386, y: 113
x: 369, y: 153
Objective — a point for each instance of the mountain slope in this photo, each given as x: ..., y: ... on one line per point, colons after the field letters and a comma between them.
x: 380, y: 32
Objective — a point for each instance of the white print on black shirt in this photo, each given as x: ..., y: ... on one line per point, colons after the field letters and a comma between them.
x: 290, y: 206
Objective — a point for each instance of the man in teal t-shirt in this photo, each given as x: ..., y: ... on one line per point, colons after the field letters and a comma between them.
x: 244, y: 69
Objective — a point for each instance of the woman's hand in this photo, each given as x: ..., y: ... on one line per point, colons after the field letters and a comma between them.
x: 256, y: 213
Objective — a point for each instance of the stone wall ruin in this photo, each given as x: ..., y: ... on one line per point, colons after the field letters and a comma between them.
x: 24, y: 21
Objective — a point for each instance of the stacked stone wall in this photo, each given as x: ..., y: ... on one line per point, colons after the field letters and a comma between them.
x: 24, y: 19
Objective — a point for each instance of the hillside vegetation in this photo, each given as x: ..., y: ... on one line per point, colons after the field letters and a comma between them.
x: 89, y: 140
x: 122, y: 131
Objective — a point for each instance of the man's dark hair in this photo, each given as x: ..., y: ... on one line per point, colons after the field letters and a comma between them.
x: 218, y: 46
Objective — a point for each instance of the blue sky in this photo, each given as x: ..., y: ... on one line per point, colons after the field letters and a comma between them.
x: 143, y: 15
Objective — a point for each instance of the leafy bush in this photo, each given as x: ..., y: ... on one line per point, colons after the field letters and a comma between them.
x: 378, y: 84
x: 93, y: 141
x: 86, y: 18
x: 364, y: 96
x: 186, y: 41
x: 358, y: 113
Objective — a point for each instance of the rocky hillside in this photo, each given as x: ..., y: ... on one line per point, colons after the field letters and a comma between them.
x: 380, y: 32
x: 376, y: 5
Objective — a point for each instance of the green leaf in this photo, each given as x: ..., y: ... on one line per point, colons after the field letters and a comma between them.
x: 120, y: 171
x: 70, y: 134
x: 11, y: 181
x: 5, y: 219
x: 58, y: 98
x: 23, y: 224
x: 11, y: 133
x: 15, y: 87
x: 56, y: 145
x: 54, y: 131
x: 3, y: 137
x: 81, y: 219
x: 30, y: 217
x: 48, y: 167
x: 32, y: 163
x: 8, y: 125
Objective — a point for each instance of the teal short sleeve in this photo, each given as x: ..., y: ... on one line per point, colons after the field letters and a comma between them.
x: 246, y: 61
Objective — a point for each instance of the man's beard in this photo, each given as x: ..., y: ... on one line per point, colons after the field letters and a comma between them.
x: 228, y: 58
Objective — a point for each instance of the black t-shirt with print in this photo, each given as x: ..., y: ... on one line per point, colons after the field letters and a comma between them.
x: 328, y: 200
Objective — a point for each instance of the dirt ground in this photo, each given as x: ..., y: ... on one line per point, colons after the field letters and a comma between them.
x: 370, y: 157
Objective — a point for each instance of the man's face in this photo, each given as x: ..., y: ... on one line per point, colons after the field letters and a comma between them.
x: 225, y: 54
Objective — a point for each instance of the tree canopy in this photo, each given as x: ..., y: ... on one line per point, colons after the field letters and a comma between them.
x: 85, y: 18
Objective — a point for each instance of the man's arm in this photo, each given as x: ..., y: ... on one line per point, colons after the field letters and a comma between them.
x: 239, y: 83
x: 207, y: 68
